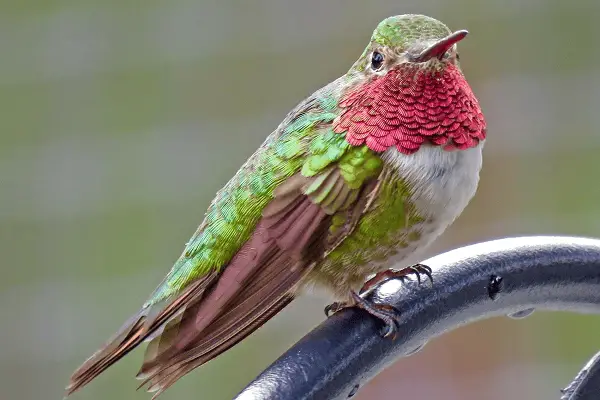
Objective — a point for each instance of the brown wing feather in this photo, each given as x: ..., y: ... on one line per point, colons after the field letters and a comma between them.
x: 198, y: 309
x: 287, y: 240
x: 249, y: 310
x: 262, y: 283
x: 293, y: 234
x: 215, y: 313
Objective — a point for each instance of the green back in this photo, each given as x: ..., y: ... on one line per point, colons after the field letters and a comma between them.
x: 303, y: 142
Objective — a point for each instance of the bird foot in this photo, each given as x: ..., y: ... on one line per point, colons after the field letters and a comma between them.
x: 386, y: 313
x: 380, y: 277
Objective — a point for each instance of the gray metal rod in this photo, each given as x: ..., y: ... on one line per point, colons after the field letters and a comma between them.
x: 586, y: 385
x: 500, y: 277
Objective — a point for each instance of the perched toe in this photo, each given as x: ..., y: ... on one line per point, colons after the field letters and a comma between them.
x: 335, y: 307
x: 387, y: 313
x: 380, y: 277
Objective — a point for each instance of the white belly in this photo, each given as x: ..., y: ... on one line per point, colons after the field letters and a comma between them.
x: 442, y: 183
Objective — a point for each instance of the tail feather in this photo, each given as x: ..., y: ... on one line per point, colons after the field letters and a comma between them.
x: 138, y: 328
x: 161, y: 342
x: 125, y: 340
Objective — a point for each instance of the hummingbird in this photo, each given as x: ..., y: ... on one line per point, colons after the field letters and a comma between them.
x: 363, y: 174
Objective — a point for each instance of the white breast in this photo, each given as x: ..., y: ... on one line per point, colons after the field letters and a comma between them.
x: 442, y: 183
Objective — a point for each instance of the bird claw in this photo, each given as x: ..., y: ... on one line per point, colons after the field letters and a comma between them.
x: 388, y: 314
x: 380, y: 277
x: 335, y: 307
x: 422, y: 269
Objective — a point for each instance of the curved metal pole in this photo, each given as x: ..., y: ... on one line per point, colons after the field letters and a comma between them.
x: 499, y: 277
x: 586, y: 385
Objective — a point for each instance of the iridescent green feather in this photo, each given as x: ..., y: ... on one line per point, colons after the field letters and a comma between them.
x: 387, y: 227
x: 305, y: 143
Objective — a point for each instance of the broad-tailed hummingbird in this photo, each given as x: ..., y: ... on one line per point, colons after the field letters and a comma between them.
x: 362, y: 175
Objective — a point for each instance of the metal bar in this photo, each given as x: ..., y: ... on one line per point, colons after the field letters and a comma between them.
x: 586, y: 385
x: 500, y: 277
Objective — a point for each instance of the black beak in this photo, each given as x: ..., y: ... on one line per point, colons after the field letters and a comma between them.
x: 439, y: 48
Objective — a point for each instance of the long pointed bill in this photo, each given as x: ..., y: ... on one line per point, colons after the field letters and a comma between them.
x: 439, y: 48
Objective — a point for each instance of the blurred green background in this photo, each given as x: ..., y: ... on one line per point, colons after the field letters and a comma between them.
x: 121, y: 119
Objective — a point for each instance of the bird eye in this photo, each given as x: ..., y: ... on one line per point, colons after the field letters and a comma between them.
x: 376, y: 60
x: 457, y: 57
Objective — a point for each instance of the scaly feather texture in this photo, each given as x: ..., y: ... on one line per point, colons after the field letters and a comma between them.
x: 409, y: 107
x: 367, y: 171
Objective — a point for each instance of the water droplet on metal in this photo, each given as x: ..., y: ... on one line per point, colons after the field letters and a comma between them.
x: 495, y: 286
x: 522, y: 314
x: 354, y: 390
x: 416, y: 349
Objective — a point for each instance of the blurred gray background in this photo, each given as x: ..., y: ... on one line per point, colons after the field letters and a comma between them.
x: 121, y: 119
